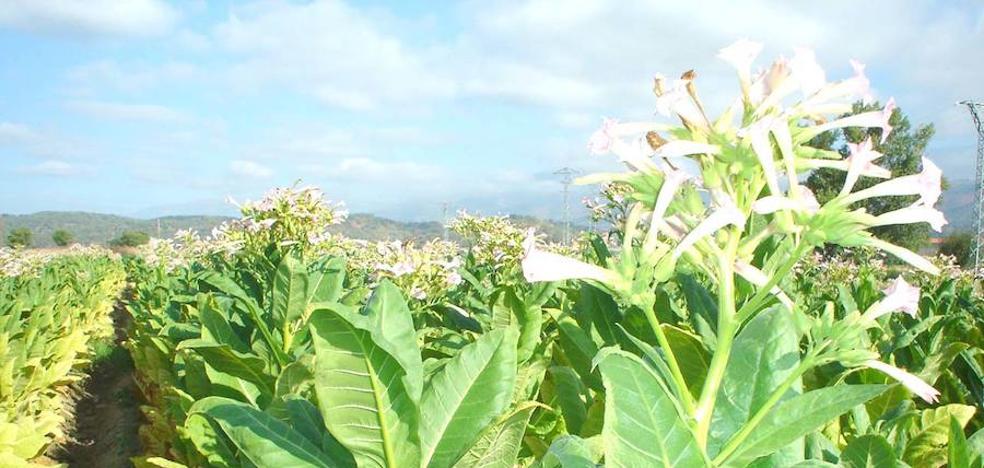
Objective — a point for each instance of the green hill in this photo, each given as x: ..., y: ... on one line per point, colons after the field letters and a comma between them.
x: 96, y: 228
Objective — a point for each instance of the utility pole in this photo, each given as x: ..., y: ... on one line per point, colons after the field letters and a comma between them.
x: 567, y: 178
x: 974, y: 108
x: 444, y: 217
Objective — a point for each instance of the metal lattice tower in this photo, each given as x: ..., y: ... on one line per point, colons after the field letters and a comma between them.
x: 974, y: 108
x: 567, y: 178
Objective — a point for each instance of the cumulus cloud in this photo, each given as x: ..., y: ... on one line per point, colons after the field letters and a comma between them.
x: 89, y: 18
x: 251, y: 169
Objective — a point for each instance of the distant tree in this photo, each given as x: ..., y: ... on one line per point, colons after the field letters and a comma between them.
x: 903, y: 152
x: 959, y: 246
x: 62, y: 237
x: 130, y: 239
x: 20, y: 237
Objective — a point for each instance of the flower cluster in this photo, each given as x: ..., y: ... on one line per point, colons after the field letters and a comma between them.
x: 750, y: 160
x: 493, y: 241
x: 29, y: 262
x: 286, y: 216
x: 426, y: 273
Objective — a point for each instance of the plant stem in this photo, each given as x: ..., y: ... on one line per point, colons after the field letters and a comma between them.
x: 752, y: 304
x: 681, y: 384
x: 727, y: 326
x: 752, y: 423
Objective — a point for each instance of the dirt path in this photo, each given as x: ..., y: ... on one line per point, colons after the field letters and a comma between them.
x: 107, y: 416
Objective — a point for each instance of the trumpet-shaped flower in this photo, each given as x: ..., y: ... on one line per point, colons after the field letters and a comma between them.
x: 805, y: 70
x: 725, y: 214
x: 861, y: 160
x: 672, y: 180
x: 928, y: 184
x: 899, y: 295
x: 905, y: 255
x: 873, y: 119
x: 911, y: 382
x: 913, y: 214
x: 740, y: 55
x: 758, y: 136
x: 539, y: 265
x: 602, y: 139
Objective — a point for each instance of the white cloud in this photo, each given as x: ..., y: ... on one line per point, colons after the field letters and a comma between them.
x: 52, y: 168
x: 251, y: 169
x: 127, y: 112
x: 16, y: 133
x: 130, y: 78
x: 130, y: 18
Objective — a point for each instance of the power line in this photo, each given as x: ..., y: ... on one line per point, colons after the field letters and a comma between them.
x: 973, y: 107
x: 567, y: 178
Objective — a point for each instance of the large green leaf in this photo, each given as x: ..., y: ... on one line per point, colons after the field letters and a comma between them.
x: 466, y: 395
x: 570, y: 451
x: 290, y: 290
x: 690, y: 354
x: 570, y: 396
x: 264, y: 440
x: 392, y: 329
x: 499, y: 445
x: 326, y: 281
x: 959, y: 452
x: 869, y: 451
x: 642, y: 426
x: 764, y: 354
x: 223, y: 358
x: 799, y: 416
x: 929, y: 435
x: 362, y: 388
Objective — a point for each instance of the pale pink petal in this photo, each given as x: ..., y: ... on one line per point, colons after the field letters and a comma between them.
x: 915, y: 385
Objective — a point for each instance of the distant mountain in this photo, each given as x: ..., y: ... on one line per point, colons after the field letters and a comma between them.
x: 96, y: 228
x: 958, y: 205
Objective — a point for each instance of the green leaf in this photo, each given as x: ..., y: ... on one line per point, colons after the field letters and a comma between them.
x: 570, y: 451
x: 223, y: 358
x: 499, y: 445
x: 362, y: 388
x: 264, y: 440
x: 204, y: 434
x: 466, y: 395
x: 570, y: 394
x: 929, y: 435
x: 290, y: 290
x: 579, y: 350
x: 959, y: 452
x: 326, y: 282
x: 690, y: 354
x: 764, y: 354
x: 392, y: 328
x: 975, y: 445
x: 306, y: 420
x: 799, y: 416
x: 642, y: 426
x: 869, y: 451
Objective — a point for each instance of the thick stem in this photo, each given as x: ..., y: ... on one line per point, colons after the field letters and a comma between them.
x: 752, y: 423
x: 727, y: 326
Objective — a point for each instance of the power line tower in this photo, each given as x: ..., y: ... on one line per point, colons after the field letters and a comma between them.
x: 567, y: 178
x: 444, y: 219
x: 974, y: 108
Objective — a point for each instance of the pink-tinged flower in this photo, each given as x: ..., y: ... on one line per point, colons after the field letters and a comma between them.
x: 805, y: 70
x: 862, y: 159
x: 677, y: 148
x: 672, y: 180
x: 857, y: 85
x: 726, y: 213
x: 905, y: 255
x: 539, y: 265
x: 899, y: 295
x: 757, y: 277
x: 913, y: 214
x: 914, y: 384
x: 601, y: 140
x: 928, y: 184
x: 873, y: 119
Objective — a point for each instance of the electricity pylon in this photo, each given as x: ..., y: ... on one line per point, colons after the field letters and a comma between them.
x: 974, y: 107
x: 567, y: 178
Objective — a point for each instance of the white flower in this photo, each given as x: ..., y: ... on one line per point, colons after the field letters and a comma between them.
x: 912, y: 382
x: 905, y: 255
x: 872, y: 119
x: 539, y: 265
x: 806, y: 202
x: 899, y: 295
x: 725, y: 214
x: 672, y: 180
x: 861, y: 159
x: 453, y: 279
x: 854, y: 87
x: 805, y: 70
x: 740, y: 55
x: 677, y: 100
x: 758, y: 136
x: 913, y: 214
x: 928, y: 184
x: 602, y: 139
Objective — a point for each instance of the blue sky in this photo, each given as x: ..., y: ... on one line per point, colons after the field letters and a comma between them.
x: 147, y: 107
